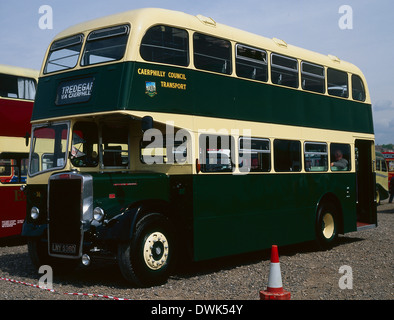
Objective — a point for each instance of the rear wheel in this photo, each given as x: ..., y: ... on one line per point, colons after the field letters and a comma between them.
x: 327, y: 226
x: 148, y: 258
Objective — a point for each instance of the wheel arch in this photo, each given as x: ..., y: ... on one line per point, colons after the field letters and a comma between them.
x: 122, y: 227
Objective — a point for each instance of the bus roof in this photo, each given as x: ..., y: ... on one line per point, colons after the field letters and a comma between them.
x: 142, y: 19
x: 18, y: 71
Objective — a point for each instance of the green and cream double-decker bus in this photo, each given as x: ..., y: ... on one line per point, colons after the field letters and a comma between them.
x: 158, y: 136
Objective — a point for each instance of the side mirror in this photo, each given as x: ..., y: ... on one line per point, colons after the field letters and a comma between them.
x: 146, y: 123
x: 27, y: 137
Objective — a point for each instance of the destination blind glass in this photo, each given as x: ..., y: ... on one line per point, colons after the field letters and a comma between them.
x: 74, y: 91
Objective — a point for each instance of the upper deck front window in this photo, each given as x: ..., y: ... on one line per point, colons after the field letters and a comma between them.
x: 105, y: 45
x: 64, y: 54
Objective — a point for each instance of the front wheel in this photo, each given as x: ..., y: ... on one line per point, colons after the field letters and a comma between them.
x: 148, y: 258
x: 326, y: 226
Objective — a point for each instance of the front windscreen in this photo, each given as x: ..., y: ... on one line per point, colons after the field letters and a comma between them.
x: 49, y: 146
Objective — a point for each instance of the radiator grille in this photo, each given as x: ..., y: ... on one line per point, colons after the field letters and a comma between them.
x: 65, y: 216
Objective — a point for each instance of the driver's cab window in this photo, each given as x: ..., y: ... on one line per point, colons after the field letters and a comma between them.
x: 115, y: 142
x: 84, y: 148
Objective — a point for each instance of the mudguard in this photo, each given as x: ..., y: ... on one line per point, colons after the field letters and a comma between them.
x: 121, y: 227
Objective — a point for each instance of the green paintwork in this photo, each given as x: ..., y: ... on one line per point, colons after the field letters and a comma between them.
x: 230, y: 218
x: 114, y: 192
x: 121, y: 87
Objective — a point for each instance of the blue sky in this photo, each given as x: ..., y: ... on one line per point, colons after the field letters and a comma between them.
x: 311, y: 24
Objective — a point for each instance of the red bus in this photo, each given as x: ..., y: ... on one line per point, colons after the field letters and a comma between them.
x: 17, y: 92
x: 389, y: 156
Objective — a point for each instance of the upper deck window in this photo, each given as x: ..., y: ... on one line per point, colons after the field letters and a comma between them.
x: 337, y: 83
x: 166, y: 44
x: 251, y: 63
x: 284, y: 70
x: 212, y: 54
x: 17, y: 87
x: 358, y: 90
x: 105, y: 45
x: 64, y: 54
x: 313, y: 77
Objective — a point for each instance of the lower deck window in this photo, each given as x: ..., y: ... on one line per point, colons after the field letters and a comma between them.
x: 254, y: 155
x: 159, y: 149
x: 287, y: 155
x: 216, y: 153
x: 315, y: 157
x: 340, y: 157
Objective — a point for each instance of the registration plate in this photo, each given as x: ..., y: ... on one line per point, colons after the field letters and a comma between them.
x: 64, y: 248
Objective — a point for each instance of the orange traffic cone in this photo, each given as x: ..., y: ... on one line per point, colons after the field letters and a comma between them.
x: 274, y: 289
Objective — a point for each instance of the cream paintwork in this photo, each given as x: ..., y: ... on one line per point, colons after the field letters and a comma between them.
x: 142, y: 19
x: 196, y: 125
x: 20, y: 72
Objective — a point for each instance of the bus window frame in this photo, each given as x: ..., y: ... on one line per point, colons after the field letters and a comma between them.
x: 361, y: 82
x: 294, y: 164
x: 274, y: 69
x: 257, y: 151
x: 61, y: 47
x: 187, y: 40
x: 264, y: 64
x: 228, y: 69
x: 83, y: 52
x: 313, y: 75
x: 205, y: 148
x: 318, y: 153
x: 340, y: 145
x: 336, y: 85
x: 32, y: 145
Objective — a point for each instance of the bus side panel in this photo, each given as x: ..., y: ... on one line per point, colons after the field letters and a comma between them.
x: 13, y: 210
x: 115, y: 192
x: 214, y: 95
x: 244, y: 213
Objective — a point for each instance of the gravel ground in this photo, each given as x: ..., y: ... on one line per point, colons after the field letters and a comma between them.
x: 308, y: 274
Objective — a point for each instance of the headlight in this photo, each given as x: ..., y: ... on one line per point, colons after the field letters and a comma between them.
x: 98, y: 214
x: 34, y: 213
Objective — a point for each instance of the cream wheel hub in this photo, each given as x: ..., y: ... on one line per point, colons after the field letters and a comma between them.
x: 328, y: 225
x: 156, y: 250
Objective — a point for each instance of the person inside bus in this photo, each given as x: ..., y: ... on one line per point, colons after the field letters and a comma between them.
x: 340, y: 162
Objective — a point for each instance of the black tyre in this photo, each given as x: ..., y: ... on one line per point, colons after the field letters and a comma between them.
x: 327, y: 226
x: 148, y: 258
x: 38, y: 252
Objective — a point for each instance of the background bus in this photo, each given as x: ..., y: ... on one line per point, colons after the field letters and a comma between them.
x: 17, y: 92
x: 175, y: 136
x: 389, y: 156
x: 382, y: 182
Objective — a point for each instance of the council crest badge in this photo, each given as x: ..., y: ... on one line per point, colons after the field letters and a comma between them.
x: 150, y: 88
